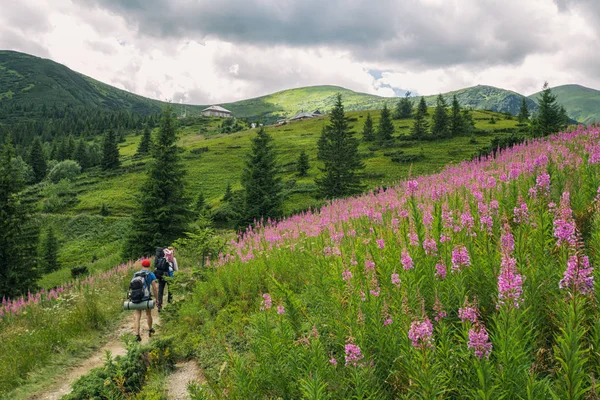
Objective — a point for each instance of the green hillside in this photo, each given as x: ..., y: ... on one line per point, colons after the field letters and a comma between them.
x: 213, y: 160
x: 27, y: 80
x: 582, y: 103
x: 31, y: 81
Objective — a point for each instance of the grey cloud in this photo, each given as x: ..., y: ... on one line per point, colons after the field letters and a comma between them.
x: 104, y: 48
x: 483, y: 32
x: 10, y: 40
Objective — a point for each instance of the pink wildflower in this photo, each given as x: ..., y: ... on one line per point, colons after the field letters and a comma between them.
x: 412, y: 186
x: 430, y: 247
x: 440, y: 270
x: 396, y: 279
x: 369, y: 265
x: 521, y: 213
x: 333, y: 361
x: 421, y: 333
x: 578, y: 276
x: 280, y: 309
x: 353, y: 354
x: 460, y: 257
x: 468, y: 313
x: 407, y: 262
x: 347, y: 275
x: 387, y: 321
x: 413, y: 239
x: 510, y: 282
x: 380, y: 243
x: 267, y: 303
x: 479, y: 341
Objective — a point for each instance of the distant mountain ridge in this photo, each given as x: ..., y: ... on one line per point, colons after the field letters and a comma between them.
x: 27, y: 80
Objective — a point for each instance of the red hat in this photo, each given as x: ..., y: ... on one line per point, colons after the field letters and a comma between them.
x: 146, y: 263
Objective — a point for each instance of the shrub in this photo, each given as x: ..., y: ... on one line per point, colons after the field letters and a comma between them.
x: 67, y: 169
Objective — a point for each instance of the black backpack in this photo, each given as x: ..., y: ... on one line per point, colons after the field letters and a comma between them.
x: 138, y: 290
x: 161, y: 265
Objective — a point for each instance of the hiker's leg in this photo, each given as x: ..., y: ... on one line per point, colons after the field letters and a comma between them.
x: 149, y: 318
x: 161, y: 290
x: 136, y: 321
x: 168, y: 293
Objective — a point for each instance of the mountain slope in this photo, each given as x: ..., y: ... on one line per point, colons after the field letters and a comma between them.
x: 582, y: 103
x: 27, y: 80
x: 483, y: 97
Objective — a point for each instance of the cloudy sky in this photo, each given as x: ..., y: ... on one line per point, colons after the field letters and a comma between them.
x: 215, y: 51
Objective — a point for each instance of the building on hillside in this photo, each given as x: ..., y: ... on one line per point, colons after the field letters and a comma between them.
x: 306, y: 115
x: 216, y: 111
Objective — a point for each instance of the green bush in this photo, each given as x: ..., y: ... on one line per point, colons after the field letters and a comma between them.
x: 67, y: 169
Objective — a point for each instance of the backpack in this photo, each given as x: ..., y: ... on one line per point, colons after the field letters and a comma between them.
x: 162, y: 265
x: 138, y: 288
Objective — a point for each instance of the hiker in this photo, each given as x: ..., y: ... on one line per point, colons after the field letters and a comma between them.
x: 164, y: 265
x: 149, y: 283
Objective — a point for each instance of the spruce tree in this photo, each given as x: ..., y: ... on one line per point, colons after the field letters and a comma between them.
x: 110, y: 151
x: 49, y: 251
x: 162, y: 212
x: 468, y: 125
x: 456, y: 121
x: 302, y: 165
x: 18, y: 236
x: 262, y: 186
x: 403, y: 107
x: 439, y: 128
x: 81, y: 154
x: 228, y: 195
x: 368, y: 131
x: 200, y: 203
x: 144, y: 146
x: 338, y: 150
x: 69, y: 148
x: 385, y: 130
x: 523, y: 112
x: 548, y: 120
x: 37, y: 160
x: 420, y: 125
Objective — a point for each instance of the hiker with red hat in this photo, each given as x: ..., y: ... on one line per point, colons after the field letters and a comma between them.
x: 149, y: 283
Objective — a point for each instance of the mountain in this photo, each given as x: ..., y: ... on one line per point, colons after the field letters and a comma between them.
x: 27, y: 80
x: 483, y: 97
x: 582, y: 103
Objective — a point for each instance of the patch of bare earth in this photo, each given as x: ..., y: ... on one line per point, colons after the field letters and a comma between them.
x: 184, y: 374
x: 62, y: 384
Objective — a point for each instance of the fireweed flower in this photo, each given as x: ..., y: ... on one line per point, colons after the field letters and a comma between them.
x: 412, y: 186
x: 421, y: 333
x: 542, y: 183
x: 406, y: 260
x: 438, y: 307
x: 413, y: 239
x: 460, y: 257
x: 333, y: 361
x: 507, y: 240
x: 578, y: 276
x: 396, y: 279
x: 353, y: 354
x: 479, y: 342
x: 564, y: 225
x: 521, y: 213
x: 267, y: 302
x: 510, y: 283
x: 468, y: 313
x: 430, y: 247
x: 440, y: 270
x: 280, y: 309
x: 369, y: 265
x: 380, y: 243
x: 347, y: 275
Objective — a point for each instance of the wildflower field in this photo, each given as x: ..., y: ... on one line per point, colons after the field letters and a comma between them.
x: 477, y: 282
x: 36, y: 329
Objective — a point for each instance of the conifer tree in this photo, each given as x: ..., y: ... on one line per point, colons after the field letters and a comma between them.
x: 228, y: 195
x: 302, y: 165
x: 439, y: 128
x: 18, y: 236
x: 162, y: 213
x: 49, y: 251
x: 403, y: 107
x: 110, y: 151
x: 144, y: 146
x: 37, y: 160
x: 456, y: 121
x: 200, y: 203
x: 523, y: 112
x: 368, y: 131
x: 548, y: 120
x: 421, y: 125
x: 468, y: 125
x: 338, y: 150
x: 81, y: 154
x: 262, y: 186
x: 69, y: 148
x: 385, y: 130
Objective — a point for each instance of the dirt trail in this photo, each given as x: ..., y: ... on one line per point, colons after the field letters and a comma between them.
x: 178, y: 381
x: 62, y: 384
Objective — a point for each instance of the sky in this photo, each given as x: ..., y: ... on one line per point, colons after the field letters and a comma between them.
x: 211, y: 52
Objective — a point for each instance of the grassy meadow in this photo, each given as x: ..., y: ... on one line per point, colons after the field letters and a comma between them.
x: 478, y: 282
x: 88, y: 236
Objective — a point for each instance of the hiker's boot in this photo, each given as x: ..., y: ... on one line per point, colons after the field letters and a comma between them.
x: 159, y: 307
x: 138, y: 338
x: 151, y: 332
